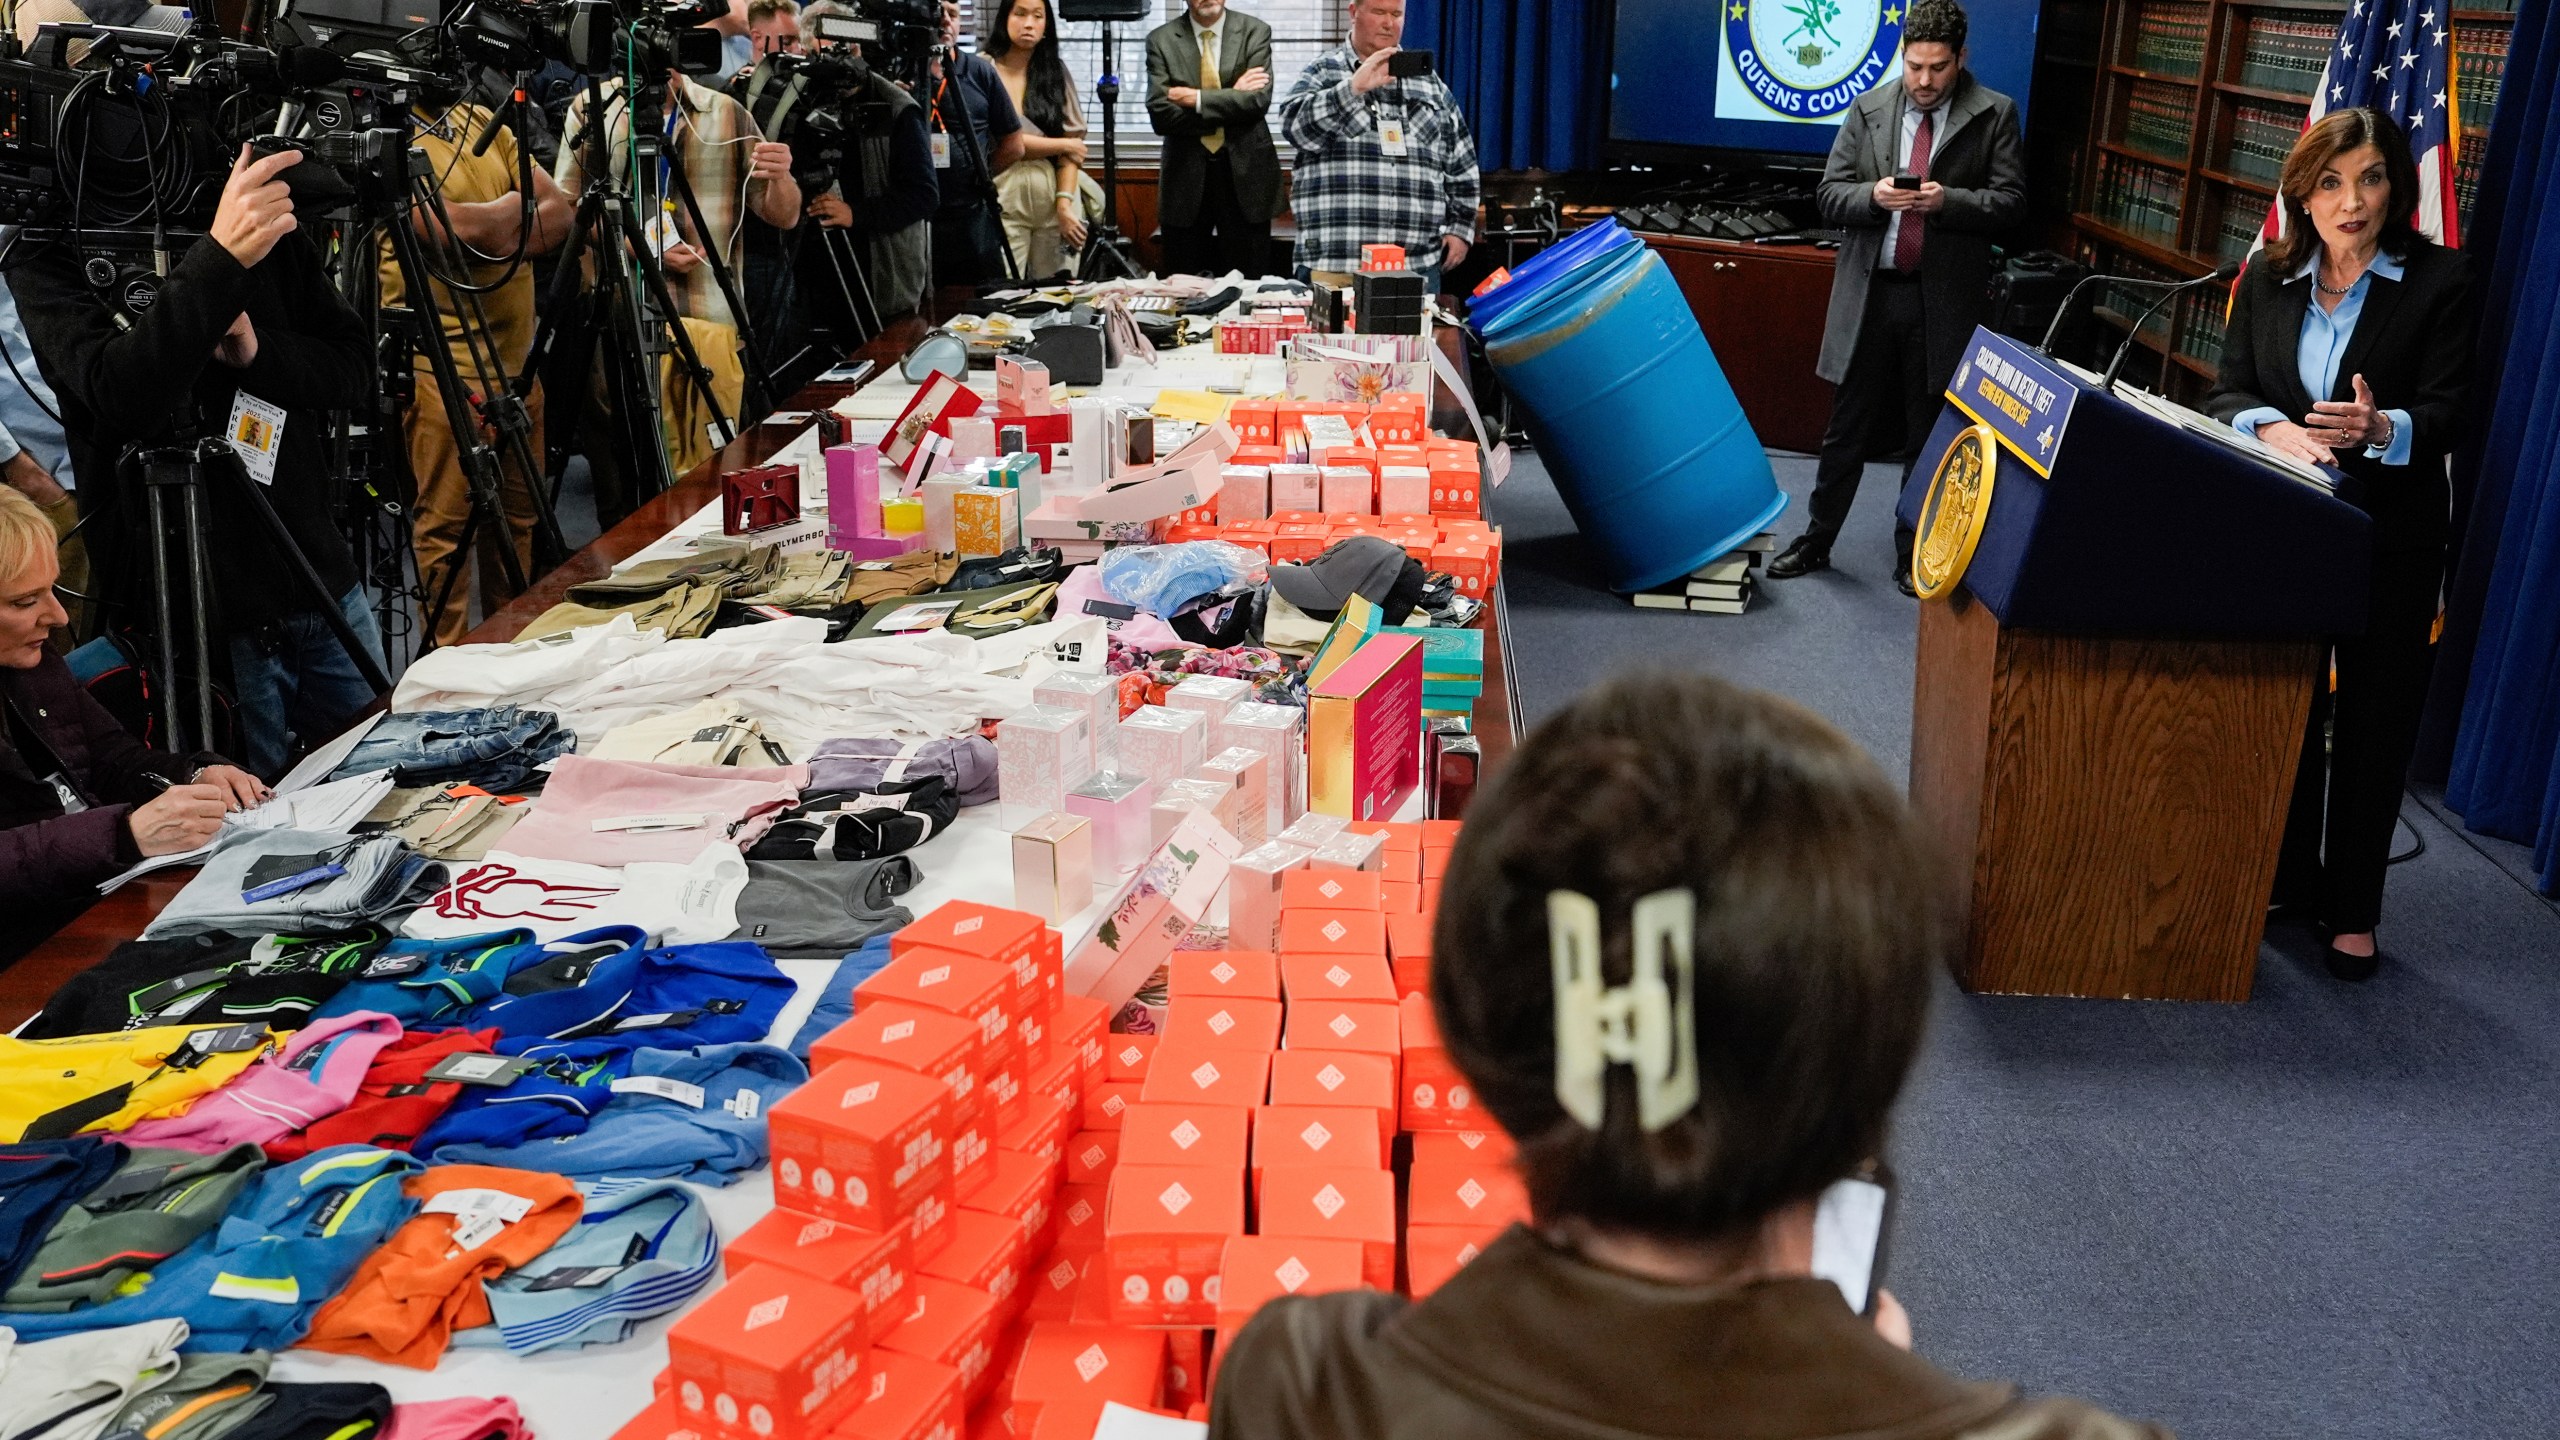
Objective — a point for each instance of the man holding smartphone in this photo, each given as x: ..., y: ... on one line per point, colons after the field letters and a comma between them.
x: 1927, y: 171
x: 1383, y: 158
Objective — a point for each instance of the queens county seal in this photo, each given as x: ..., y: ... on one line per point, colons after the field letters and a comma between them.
x: 1807, y: 59
x: 1953, y: 512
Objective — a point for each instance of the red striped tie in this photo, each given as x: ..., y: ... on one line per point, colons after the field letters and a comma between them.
x: 1906, y: 241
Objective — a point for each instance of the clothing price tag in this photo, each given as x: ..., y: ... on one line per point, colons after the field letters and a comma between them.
x: 480, y: 1069
x: 229, y: 1040
x: 1391, y: 140
x: 878, y: 802
x: 689, y: 1096
x: 941, y: 151
x: 256, y: 429
x: 392, y: 967
x: 744, y: 1105
x: 577, y: 1277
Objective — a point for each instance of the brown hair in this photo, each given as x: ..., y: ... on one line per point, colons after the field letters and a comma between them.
x: 2329, y: 137
x: 1817, y: 928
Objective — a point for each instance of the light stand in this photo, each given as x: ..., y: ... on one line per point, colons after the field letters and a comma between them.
x: 1106, y: 251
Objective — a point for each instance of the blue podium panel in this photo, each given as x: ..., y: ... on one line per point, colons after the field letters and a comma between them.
x: 2108, y: 519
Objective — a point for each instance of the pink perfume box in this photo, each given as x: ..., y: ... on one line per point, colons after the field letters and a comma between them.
x: 1364, y: 731
x: 853, y: 495
x: 1053, y: 865
x: 1117, y: 805
x: 1040, y: 754
x: 1022, y: 387
x: 1248, y: 773
x: 1211, y: 695
x: 1404, y: 490
x: 1253, y: 894
x: 1163, y: 744
x: 1244, y: 493
x: 1296, y: 487
x: 1278, y: 733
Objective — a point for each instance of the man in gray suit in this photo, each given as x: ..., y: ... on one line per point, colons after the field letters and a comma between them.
x: 1208, y: 89
x: 1927, y: 171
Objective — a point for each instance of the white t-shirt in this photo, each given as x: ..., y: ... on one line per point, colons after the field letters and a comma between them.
x: 688, y: 904
x: 71, y: 1387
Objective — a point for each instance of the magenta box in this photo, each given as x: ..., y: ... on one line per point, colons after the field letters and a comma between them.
x: 853, y: 497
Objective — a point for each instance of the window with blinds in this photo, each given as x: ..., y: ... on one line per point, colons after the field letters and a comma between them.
x: 1300, y: 31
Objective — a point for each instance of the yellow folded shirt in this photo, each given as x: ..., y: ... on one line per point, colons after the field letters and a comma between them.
x: 50, y: 1089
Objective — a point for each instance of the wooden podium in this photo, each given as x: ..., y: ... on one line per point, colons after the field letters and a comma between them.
x: 2108, y: 709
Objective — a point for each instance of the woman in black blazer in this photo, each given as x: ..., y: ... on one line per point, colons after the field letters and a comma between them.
x: 2350, y: 345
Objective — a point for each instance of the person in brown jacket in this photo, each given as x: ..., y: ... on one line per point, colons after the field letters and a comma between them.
x: 1684, y: 955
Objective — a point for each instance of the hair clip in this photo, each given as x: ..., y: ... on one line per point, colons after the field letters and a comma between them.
x: 1647, y: 1023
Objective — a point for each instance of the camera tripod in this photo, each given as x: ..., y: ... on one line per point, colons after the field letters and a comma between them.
x: 632, y: 308
x: 964, y: 135
x: 1107, y: 254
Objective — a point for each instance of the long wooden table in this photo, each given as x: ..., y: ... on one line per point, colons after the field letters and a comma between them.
x: 25, y: 986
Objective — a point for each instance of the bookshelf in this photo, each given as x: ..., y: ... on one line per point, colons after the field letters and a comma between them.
x: 2191, y: 108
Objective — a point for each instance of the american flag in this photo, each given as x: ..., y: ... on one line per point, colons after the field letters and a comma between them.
x: 2396, y: 56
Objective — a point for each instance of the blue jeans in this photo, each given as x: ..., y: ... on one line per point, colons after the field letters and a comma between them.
x: 294, y: 679
x: 496, y: 748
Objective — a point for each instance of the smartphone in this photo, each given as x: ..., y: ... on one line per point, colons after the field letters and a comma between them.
x: 1409, y: 64
x: 1906, y: 182
x: 1849, y: 1227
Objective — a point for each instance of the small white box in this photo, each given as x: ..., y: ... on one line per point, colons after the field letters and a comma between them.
x: 1349, y: 489
x: 1244, y: 493
x: 1278, y: 732
x: 1248, y: 772
x: 1404, y: 490
x: 1296, y: 487
x: 1211, y: 798
x: 1041, y: 754
x: 1253, y: 894
x: 1211, y: 695
x: 1162, y: 744
x: 1347, y: 851
x: 1097, y: 698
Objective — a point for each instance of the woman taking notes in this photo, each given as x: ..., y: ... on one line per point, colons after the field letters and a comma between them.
x: 2350, y: 345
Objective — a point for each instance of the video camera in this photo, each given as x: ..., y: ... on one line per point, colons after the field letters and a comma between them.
x: 601, y: 39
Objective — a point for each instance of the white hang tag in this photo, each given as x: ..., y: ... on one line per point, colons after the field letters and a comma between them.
x: 744, y: 1104
x: 256, y: 430
x: 506, y: 1208
x: 941, y: 151
x: 689, y: 1096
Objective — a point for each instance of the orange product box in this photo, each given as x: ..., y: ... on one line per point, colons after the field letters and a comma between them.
x: 1337, y: 1077
x: 1478, y: 1190
x: 1430, y: 898
x: 1453, y: 488
x: 985, y: 1253
x: 1256, y: 423
x: 907, y: 1399
x: 1023, y: 1189
x: 929, y: 1228
x: 1367, y: 1026
x: 1317, y: 1135
x: 1033, y: 1031
x: 1297, y: 549
x: 1186, y: 1369
x: 1170, y: 1134
x: 1408, y: 937
x: 1125, y: 1057
x: 1487, y: 1142
x: 1329, y: 890
x: 1395, y: 452
x: 1080, y: 1215
x: 1074, y: 1419
x: 1016, y: 939
x: 1051, y: 1287
x: 911, y: 1037
x: 1440, y: 834
x: 1413, y: 974
x: 1040, y: 1129
x: 1465, y: 563
x: 1093, y: 1294
x: 1283, y: 518
x: 772, y: 1353
x: 1229, y: 974
x: 1435, y: 1095
x: 1105, y: 1103
x: 1198, y: 515
x: 1091, y: 1156
x: 1079, y: 1026
x: 1180, y: 533
x: 1417, y: 546
x: 1398, y: 899
x: 1208, y: 1075
x: 1399, y: 835
x: 1330, y: 932
x: 1336, y: 977
x: 1060, y: 1077
x: 1257, y: 1269
x: 1249, y: 539
x: 1433, y: 1253
x: 1435, y: 861
x: 871, y: 1264
x: 863, y: 1141
x: 1402, y: 867
x: 1003, y: 1082
x: 979, y: 991
x: 949, y: 1324
x: 1335, y: 1202
x: 1091, y: 1363
x: 1163, y: 1231
x: 1211, y: 1022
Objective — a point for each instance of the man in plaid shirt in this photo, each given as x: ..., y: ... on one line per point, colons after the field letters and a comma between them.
x: 1380, y: 161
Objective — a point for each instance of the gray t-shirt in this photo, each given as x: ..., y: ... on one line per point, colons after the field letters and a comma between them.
x: 819, y: 909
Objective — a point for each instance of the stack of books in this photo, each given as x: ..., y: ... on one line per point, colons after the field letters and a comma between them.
x: 2159, y: 118
x: 2169, y: 39
x: 1722, y: 586
x: 2287, y: 55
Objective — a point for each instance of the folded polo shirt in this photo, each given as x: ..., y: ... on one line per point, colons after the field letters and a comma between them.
x: 311, y: 1077
x: 438, y: 982
x: 71, y: 1388
x: 570, y: 1085
x: 694, y: 1115
x: 691, y: 902
x: 207, y: 1396
x: 835, y: 999
x: 397, y: 1102
x: 638, y: 1251
x: 284, y: 1249
x: 337, y: 1411
x: 673, y: 996
x: 819, y: 909
x: 613, y: 812
x: 475, y: 1223
x: 50, y: 1089
x: 280, y: 980
x: 457, y: 1419
x: 158, y: 1203
x: 40, y: 1182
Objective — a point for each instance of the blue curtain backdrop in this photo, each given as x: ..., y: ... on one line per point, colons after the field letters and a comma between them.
x: 2502, y: 639
x: 1532, y: 75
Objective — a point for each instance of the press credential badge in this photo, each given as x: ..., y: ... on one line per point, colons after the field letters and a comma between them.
x: 256, y: 429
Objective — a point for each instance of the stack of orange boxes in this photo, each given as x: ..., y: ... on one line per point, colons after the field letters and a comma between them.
x: 1463, y: 1193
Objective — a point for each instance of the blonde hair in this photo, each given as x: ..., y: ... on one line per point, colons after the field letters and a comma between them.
x: 25, y: 534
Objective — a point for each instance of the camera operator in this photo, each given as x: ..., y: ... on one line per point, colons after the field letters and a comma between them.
x: 773, y: 27
x: 489, y: 216
x: 968, y: 233
x: 898, y: 194
x: 725, y: 160
x: 248, y: 314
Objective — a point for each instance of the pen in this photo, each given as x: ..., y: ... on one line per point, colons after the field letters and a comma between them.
x: 158, y: 781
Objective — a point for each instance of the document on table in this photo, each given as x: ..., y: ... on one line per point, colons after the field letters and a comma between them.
x: 331, y: 808
x: 315, y: 767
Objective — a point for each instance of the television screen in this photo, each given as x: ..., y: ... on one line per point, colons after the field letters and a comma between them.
x: 1781, y: 74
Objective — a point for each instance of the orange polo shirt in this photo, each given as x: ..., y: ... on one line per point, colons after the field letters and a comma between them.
x: 409, y: 1297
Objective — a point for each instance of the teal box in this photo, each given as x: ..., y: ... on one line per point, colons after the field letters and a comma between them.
x: 1445, y: 650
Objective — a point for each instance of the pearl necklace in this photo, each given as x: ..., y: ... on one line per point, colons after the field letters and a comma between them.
x: 2340, y: 292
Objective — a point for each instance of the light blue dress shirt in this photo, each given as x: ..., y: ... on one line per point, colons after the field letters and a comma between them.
x: 24, y: 425
x: 2325, y: 334
x: 1908, y: 134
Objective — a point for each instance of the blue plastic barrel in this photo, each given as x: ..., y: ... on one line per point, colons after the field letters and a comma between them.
x: 1629, y: 409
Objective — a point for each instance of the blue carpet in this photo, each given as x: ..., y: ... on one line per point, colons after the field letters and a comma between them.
x: 2328, y: 1212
